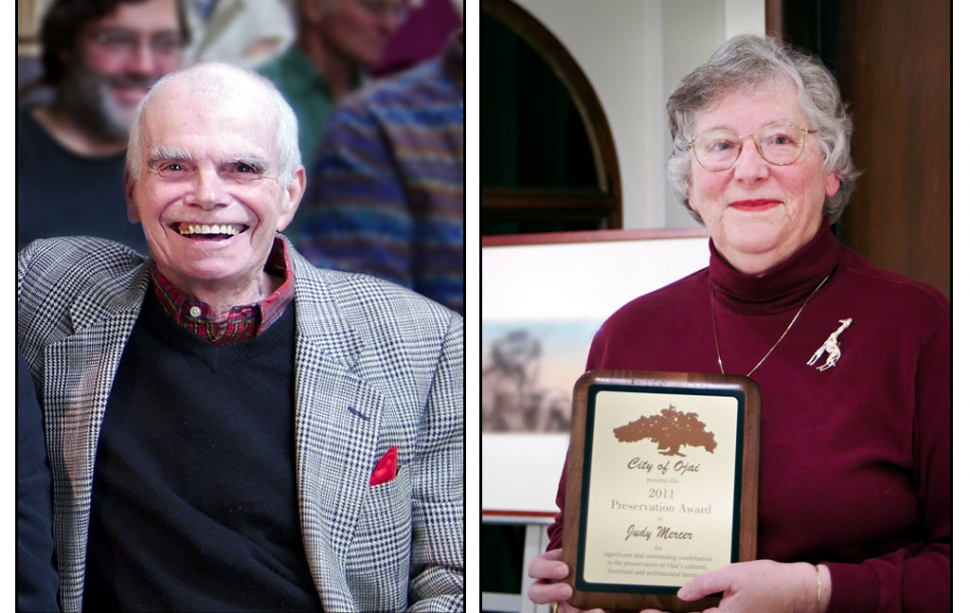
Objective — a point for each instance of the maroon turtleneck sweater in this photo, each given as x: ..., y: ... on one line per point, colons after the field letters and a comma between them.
x: 855, y: 460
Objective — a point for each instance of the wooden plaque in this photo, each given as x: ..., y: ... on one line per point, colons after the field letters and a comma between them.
x: 662, y: 485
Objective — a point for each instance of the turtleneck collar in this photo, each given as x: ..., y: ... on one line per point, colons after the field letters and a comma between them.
x: 783, y: 286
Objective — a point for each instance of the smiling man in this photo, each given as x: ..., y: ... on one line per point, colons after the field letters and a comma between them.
x: 231, y: 427
x: 99, y: 57
x: 212, y: 187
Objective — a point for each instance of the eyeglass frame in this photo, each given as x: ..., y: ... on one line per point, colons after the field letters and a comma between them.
x: 133, y: 41
x: 757, y: 143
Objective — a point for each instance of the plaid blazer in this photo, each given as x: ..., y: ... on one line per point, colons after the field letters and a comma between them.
x: 376, y: 366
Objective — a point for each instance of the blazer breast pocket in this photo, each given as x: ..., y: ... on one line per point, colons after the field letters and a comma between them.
x: 380, y: 550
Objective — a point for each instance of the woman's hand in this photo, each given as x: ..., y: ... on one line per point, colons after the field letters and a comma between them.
x: 764, y: 586
x: 549, y: 571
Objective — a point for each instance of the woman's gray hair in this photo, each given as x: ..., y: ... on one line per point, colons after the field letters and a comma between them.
x: 750, y: 62
x: 226, y: 80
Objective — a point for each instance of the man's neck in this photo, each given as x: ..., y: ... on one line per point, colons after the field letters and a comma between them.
x: 221, y: 300
x: 253, y: 304
x: 340, y: 73
x: 74, y: 135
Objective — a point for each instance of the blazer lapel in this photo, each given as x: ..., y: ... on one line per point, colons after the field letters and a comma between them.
x: 79, y: 371
x: 338, y: 418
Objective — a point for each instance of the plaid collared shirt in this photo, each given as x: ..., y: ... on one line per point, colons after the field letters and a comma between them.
x: 245, y: 321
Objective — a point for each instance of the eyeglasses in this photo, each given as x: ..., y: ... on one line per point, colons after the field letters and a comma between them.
x: 126, y: 42
x: 779, y: 144
x: 398, y: 9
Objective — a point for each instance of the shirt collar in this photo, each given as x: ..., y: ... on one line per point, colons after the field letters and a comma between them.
x: 782, y: 287
x: 245, y: 321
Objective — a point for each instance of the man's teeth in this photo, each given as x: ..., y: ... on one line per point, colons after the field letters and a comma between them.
x: 229, y: 229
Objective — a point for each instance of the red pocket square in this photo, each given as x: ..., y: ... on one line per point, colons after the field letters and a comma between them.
x: 386, y: 468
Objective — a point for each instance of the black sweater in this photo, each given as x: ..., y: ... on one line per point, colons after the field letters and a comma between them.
x: 195, y: 496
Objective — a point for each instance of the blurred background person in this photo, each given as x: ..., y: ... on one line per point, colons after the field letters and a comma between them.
x: 99, y: 57
x: 37, y: 578
x: 386, y: 196
x: 336, y: 41
x: 246, y: 32
x: 423, y: 35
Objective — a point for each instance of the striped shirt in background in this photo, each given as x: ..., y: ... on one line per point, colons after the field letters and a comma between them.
x: 386, y: 194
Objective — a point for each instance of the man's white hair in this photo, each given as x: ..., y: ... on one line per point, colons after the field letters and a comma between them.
x: 225, y: 80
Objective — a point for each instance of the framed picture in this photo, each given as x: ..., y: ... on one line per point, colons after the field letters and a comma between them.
x: 543, y: 299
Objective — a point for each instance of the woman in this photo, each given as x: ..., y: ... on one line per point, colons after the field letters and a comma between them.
x: 855, y: 476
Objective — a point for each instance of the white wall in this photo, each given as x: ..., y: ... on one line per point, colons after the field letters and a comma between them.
x: 634, y: 52
x: 692, y: 30
x: 618, y: 44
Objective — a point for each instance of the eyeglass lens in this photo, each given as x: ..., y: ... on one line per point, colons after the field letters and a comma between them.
x: 779, y: 144
x: 126, y: 41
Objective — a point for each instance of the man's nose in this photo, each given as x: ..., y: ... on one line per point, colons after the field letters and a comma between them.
x: 208, y: 192
x: 142, y: 59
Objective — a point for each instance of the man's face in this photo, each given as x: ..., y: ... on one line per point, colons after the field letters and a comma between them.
x: 208, y: 195
x: 119, y: 57
x: 358, y: 30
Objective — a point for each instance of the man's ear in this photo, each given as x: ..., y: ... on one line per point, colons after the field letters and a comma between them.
x: 292, y: 194
x: 130, y: 198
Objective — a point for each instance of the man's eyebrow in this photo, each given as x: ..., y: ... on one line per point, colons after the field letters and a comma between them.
x: 168, y: 154
x: 259, y: 164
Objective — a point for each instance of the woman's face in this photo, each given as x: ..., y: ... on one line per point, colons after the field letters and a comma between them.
x: 758, y: 214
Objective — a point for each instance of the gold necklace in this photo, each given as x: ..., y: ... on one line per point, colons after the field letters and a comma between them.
x: 717, y: 345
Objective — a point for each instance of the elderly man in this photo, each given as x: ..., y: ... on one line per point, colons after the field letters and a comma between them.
x: 99, y: 59
x: 230, y: 427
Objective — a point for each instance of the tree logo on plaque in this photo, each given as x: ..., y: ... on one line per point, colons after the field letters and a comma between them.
x: 670, y: 430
